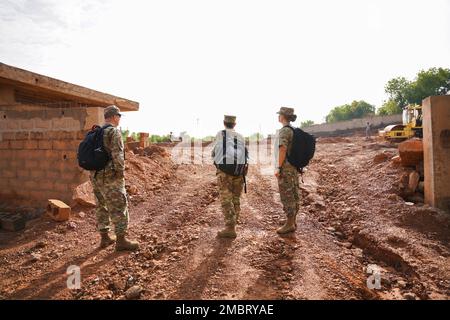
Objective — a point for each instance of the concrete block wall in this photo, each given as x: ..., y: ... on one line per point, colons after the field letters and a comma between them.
x: 355, y: 124
x: 38, y: 151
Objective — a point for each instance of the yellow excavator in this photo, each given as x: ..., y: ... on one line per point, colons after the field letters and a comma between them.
x: 411, y: 127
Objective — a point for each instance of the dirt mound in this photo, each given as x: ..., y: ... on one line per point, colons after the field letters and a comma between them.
x: 153, y: 150
x: 146, y: 170
x: 145, y: 174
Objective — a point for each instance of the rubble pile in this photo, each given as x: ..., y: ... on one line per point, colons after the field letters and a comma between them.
x: 146, y: 170
x: 146, y: 173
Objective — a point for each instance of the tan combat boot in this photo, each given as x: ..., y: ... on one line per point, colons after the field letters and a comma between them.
x: 289, y: 226
x: 228, y: 232
x: 106, y: 239
x: 123, y: 244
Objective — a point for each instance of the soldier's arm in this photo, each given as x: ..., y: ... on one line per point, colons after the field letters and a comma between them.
x: 283, y: 145
x: 117, y: 156
x: 282, y: 155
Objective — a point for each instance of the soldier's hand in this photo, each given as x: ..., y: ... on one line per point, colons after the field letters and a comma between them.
x: 278, y: 173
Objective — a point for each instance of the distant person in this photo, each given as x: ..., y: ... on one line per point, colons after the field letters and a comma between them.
x: 287, y: 175
x: 368, y: 130
x: 230, y: 158
x: 109, y: 186
x: 171, y: 137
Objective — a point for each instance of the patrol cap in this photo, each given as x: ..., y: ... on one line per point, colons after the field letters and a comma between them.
x: 112, y: 111
x: 229, y: 119
x: 285, y: 111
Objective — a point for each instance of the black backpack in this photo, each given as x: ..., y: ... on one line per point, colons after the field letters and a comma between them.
x: 303, y: 148
x: 91, y: 153
x: 234, y: 168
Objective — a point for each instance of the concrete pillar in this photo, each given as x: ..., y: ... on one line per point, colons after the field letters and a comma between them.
x: 436, y: 145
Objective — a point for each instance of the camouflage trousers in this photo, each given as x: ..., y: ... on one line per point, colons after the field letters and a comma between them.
x: 111, y: 199
x: 230, y: 189
x: 288, y: 184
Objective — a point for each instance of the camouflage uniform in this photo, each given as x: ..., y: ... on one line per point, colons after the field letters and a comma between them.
x: 230, y: 187
x: 109, y: 186
x: 288, y: 183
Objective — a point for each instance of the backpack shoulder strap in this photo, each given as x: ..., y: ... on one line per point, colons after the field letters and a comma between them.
x: 224, y: 146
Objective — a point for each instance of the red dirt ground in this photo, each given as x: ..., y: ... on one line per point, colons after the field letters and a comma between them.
x: 351, y: 217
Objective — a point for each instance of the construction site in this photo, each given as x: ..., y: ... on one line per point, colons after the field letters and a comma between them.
x: 369, y: 207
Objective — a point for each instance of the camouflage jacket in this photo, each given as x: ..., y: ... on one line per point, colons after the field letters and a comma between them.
x: 284, y: 138
x: 112, y: 141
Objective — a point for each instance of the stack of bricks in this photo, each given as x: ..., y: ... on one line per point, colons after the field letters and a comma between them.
x: 143, y: 139
x: 142, y: 143
x: 39, y: 153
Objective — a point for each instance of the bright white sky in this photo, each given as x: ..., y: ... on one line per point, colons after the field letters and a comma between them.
x: 188, y: 60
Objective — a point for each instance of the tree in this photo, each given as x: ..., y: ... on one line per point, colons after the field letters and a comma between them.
x: 154, y: 138
x: 125, y: 134
x: 306, y: 123
x: 389, y: 107
x: 355, y: 110
x: 434, y: 81
x: 399, y: 91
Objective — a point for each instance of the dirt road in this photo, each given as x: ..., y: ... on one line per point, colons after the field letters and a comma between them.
x: 349, y: 220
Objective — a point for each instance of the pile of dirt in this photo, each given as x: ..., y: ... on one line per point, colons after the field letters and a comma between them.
x: 146, y: 173
x: 152, y: 150
x: 374, y: 207
x: 146, y: 170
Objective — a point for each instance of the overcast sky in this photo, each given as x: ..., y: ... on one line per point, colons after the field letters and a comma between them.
x: 189, y: 62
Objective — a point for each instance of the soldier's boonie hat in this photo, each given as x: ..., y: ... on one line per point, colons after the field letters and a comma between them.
x: 112, y: 111
x: 286, y: 111
x: 229, y: 119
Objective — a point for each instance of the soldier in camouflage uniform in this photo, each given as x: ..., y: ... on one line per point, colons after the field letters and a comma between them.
x: 287, y: 175
x: 109, y: 187
x: 230, y: 187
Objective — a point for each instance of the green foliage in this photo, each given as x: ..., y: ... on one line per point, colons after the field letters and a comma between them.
x: 389, y: 107
x: 306, y: 123
x: 355, y: 110
x: 154, y: 138
x: 434, y: 81
x: 125, y: 134
x: 398, y: 90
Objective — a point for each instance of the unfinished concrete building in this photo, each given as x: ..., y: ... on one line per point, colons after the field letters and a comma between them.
x: 42, y: 121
